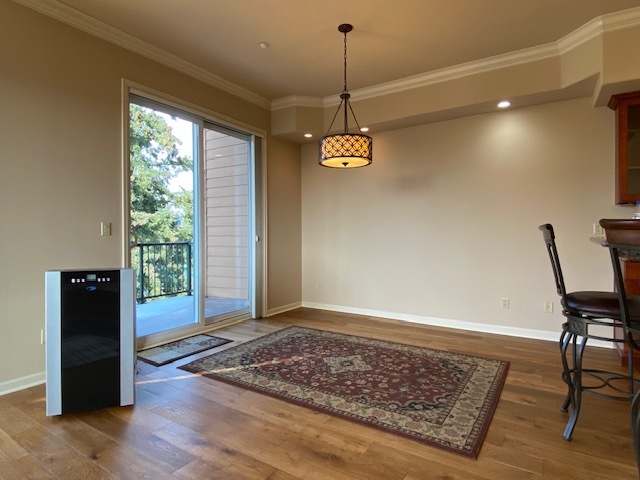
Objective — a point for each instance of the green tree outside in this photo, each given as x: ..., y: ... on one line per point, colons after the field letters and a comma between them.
x: 157, y: 213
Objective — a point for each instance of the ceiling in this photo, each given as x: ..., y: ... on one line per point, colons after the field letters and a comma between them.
x: 390, y: 40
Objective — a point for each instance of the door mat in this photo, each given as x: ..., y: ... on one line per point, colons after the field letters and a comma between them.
x: 439, y: 398
x: 173, y: 351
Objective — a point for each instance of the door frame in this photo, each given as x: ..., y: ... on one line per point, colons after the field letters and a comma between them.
x: 259, y: 207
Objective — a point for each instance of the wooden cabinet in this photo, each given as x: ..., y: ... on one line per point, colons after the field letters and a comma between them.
x: 627, y: 107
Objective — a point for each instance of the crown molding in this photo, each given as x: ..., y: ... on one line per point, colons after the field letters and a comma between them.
x: 296, y: 101
x: 449, y: 73
x: 581, y: 35
x: 592, y: 29
x: 97, y: 28
x: 619, y: 20
x: 588, y: 31
x: 598, y: 26
x: 424, y: 79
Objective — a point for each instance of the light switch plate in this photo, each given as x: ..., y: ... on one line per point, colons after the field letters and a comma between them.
x: 105, y: 229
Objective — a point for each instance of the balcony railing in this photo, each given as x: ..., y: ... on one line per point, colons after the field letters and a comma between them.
x: 163, y: 269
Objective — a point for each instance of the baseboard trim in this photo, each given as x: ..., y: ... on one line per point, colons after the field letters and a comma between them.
x: 283, y: 309
x: 17, y: 384
x: 448, y: 323
x: 11, y: 386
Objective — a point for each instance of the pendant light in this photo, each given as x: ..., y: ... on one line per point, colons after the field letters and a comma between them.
x: 345, y: 150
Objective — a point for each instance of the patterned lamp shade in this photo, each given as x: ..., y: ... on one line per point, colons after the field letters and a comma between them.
x: 345, y: 150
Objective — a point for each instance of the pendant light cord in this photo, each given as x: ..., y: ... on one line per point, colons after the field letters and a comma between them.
x: 345, y: 92
x: 345, y: 64
x: 345, y: 96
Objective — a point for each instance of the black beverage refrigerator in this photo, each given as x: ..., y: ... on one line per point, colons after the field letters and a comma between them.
x: 90, y: 339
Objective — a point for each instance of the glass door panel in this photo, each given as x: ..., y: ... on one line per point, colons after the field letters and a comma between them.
x: 162, y: 153
x: 228, y: 223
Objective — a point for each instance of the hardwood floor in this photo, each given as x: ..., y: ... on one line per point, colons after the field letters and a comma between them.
x: 189, y: 427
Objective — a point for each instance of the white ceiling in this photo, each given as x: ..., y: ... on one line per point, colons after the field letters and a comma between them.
x: 391, y: 39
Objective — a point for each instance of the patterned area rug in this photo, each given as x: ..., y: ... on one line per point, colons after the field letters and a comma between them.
x: 173, y: 351
x: 439, y: 398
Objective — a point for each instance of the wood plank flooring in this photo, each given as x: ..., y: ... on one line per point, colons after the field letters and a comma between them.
x: 188, y: 427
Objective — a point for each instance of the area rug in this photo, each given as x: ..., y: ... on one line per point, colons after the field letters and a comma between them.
x: 170, y: 352
x: 439, y: 398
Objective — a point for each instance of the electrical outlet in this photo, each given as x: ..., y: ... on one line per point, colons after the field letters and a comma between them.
x: 598, y: 230
x: 548, y: 307
x: 41, y: 337
x: 105, y: 229
x: 504, y: 302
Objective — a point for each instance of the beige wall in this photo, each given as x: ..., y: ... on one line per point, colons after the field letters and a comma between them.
x: 446, y: 208
x: 284, y: 226
x: 60, y: 167
x: 444, y: 223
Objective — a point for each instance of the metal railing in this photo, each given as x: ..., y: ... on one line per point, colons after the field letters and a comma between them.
x: 163, y: 269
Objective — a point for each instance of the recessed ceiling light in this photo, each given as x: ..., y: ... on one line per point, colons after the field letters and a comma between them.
x: 504, y: 104
x: 364, y: 129
x: 264, y: 44
x: 308, y: 135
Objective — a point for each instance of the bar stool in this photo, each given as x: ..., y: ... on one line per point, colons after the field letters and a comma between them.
x: 583, y: 311
x: 623, y: 239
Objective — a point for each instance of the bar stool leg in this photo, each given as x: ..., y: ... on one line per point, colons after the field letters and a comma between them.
x: 630, y: 364
x: 565, y: 341
x: 635, y: 426
x: 577, y: 386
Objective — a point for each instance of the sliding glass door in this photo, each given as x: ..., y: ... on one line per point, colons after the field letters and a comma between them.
x: 228, y: 223
x: 192, y: 223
